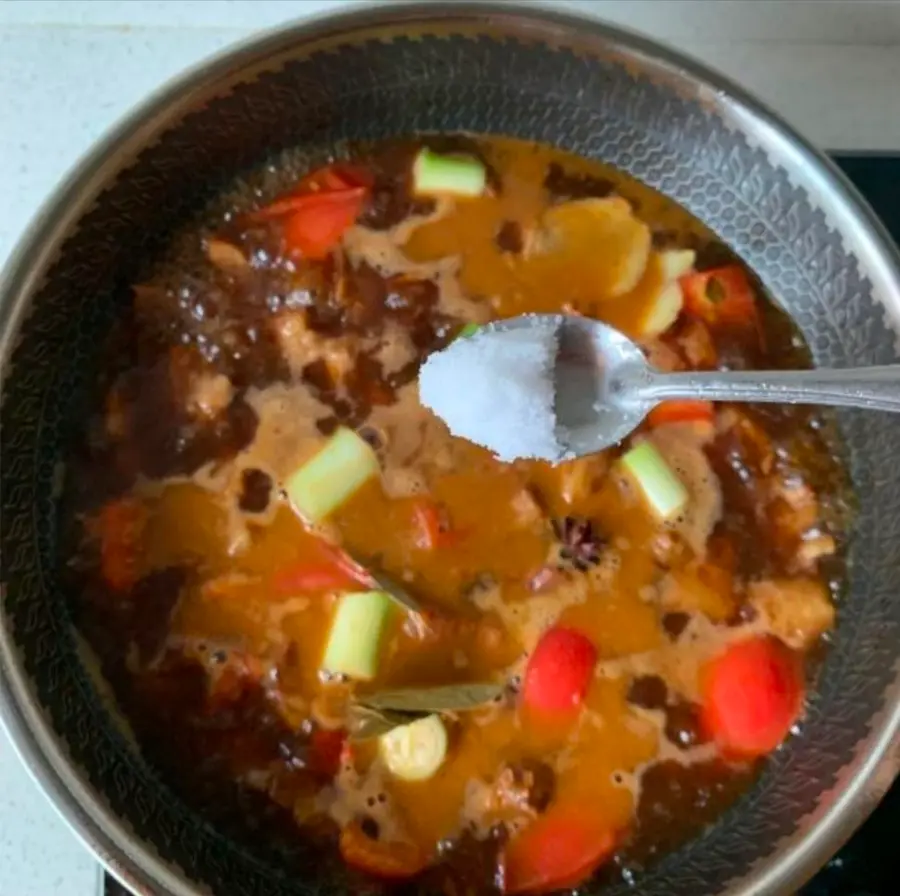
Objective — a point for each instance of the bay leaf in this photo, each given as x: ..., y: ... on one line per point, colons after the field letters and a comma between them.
x: 396, y: 592
x: 398, y: 595
x: 364, y: 722
x: 445, y: 698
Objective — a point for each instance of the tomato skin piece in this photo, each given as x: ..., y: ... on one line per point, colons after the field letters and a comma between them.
x: 337, y: 178
x: 335, y: 571
x: 326, y: 751
x: 720, y: 296
x: 433, y: 530
x: 387, y: 860
x: 559, y: 850
x: 318, y: 212
x: 297, y: 201
x: 752, y: 693
x: 427, y: 516
x: 678, y: 411
x: 559, y: 671
x: 316, y: 226
x: 312, y: 577
x: 119, y: 527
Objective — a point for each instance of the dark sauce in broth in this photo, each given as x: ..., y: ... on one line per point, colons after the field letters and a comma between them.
x: 236, y: 360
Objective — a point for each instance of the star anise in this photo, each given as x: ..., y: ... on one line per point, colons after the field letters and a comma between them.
x: 579, y: 542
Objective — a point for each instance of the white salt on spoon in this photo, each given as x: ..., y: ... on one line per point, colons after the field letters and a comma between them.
x: 497, y: 388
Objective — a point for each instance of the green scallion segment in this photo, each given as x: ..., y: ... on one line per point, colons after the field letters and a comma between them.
x: 661, y: 488
x: 456, y: 175
x: 468, y: 330
x: 325, y: 481
x: 354, y: 642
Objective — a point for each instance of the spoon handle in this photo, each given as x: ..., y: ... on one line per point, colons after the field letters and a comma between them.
x: 875, y: 388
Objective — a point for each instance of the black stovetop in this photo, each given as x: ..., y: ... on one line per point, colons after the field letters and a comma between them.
x: 869, y: 865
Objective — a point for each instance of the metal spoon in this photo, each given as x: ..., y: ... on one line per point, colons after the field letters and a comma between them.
x: 605, y: 387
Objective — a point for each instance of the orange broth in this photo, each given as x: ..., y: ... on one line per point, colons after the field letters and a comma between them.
x: 654, y: 606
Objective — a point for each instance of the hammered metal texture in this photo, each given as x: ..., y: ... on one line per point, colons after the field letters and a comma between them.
x: 381, y: 88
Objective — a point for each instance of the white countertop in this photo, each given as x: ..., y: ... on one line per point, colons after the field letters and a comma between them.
x: 70, y: 68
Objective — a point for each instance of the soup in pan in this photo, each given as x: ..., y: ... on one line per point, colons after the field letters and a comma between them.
x: 458, y: 675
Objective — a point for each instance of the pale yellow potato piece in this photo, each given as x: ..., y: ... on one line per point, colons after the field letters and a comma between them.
x: 675, y: 263
x: 662, y: 311
x: 603, y: 237
x: 659, y: 294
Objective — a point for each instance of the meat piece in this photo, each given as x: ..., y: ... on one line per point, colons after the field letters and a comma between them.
x: 780, y: 514
x: 208, y: 395
x: 668, y: 549
x: 798, y: 611
x: 339, y: 358
x: 526, y: 508
x: 795, y: 508
x: 697, y: 345
x: 662, y: 356
x: 753, y: 447
x: 296, y: 341
x: 683, y: 446
x: 527, y: 784
x: 238, y: 677
x: 225, y: 256
x: 166, y: 439
x: 699, y: 588
x: 812, y: 549
x: 203, y: 394
x: 523, y: 787
x: 396, y: 350
x: 221, y: 438
x: 301, y: 347
x: 795, y: 517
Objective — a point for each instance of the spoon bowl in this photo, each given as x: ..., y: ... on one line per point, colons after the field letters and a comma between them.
x: 599, y: 376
